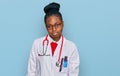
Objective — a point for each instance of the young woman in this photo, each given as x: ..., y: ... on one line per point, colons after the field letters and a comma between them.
x: 53, y: 55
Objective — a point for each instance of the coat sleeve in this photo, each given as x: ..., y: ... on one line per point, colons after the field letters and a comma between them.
x: 32, y: 61
x: 74, y: 63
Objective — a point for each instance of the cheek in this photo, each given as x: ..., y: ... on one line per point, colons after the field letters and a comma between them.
x: 49, y: 31
x: 61, y: 29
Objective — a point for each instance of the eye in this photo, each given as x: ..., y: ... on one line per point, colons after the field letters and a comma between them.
x: 58, y: 24
x: 49, y: 27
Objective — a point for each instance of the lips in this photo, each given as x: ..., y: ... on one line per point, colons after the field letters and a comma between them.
x: 54, y: 34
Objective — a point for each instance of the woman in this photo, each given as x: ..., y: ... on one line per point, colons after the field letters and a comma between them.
x: 53, y: 55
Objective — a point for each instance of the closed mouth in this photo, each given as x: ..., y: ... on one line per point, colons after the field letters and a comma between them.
x: 55, y: 33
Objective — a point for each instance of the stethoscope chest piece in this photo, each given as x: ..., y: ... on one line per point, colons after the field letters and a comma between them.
x: 57, y: 63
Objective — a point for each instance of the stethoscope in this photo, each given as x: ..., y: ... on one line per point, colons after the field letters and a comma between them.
x: 45, y: 49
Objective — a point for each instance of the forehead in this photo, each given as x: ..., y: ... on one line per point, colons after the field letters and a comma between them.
x: 53, y: 18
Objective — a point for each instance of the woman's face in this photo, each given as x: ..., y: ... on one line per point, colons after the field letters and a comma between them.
x: 54, y: 26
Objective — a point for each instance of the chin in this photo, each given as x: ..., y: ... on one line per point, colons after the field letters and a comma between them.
x: 55, y: 36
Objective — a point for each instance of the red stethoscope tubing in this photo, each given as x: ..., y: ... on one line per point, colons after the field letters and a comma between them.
x: 61, y: 49
x: 46, y: 39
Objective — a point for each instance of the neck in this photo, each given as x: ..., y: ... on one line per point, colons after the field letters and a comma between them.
x: 56, y: 39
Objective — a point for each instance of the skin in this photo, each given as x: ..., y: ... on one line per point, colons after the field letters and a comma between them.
x: 54, y: 26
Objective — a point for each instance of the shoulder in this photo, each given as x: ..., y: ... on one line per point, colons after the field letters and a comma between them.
x: 71, y: 48
x: 38, y: 40
x: 70, y: 43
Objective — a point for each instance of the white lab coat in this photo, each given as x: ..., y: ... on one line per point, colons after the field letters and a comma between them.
x: 46, y: 65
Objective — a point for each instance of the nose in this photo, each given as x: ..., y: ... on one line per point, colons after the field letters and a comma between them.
x: 53, y: 28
